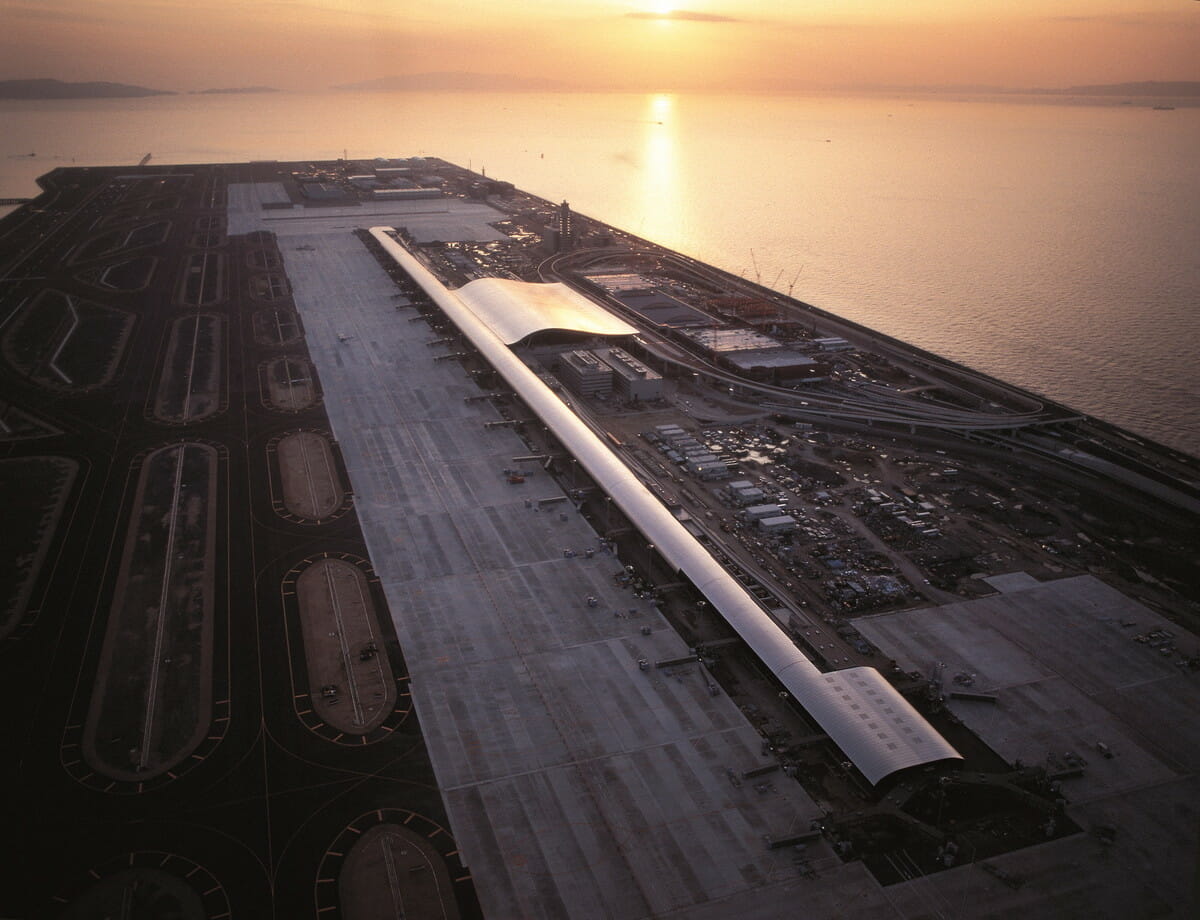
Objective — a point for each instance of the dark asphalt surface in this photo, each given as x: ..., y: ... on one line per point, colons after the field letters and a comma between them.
x: 248, y: 819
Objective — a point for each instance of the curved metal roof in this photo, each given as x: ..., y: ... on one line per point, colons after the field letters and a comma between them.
x: 864, y: 715
x: 514, y: 309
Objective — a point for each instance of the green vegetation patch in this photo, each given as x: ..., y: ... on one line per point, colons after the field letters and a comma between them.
x: 63, y: 342
x: 203, y: 279
x: 291, y: 384
x: 115, y: 241
x: 128, y: 275
x: 151, y: 702
x: 389, y: 865
x: 33, y: 492
x: 276, y: 327
x: 190, y: 386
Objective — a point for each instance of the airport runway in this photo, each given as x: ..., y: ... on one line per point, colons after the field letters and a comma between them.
x: 246, y: 819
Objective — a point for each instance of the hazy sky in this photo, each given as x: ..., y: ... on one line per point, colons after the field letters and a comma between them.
x: 605, y: 44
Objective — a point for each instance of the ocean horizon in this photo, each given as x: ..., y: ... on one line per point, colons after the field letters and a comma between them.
x: 1053, y: 246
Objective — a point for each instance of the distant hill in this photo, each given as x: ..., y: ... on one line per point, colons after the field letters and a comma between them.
x: 57, y: 89
x: 455, y: 81
x: 234, y: 90
x: 1144, y: 88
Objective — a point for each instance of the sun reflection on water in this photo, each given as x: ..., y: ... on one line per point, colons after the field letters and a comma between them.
x: 659, y: 178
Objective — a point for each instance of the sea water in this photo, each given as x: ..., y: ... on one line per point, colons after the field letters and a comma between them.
x: 1054, y: 246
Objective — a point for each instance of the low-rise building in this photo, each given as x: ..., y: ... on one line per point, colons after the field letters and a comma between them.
x: 782, y: 523
x: 758, y: 512
x: 585, y: 374
x: 632, y: 379
x: 751, y: 496
x: 393, y: 193
x: 833, y: 343
x: 706, y: 471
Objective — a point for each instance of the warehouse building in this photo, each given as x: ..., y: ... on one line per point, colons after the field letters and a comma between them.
x: 758, y: 512
x: 406, y: 193
x: 783, y: 523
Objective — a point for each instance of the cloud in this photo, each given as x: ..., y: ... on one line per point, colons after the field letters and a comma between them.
x: 684, y: 15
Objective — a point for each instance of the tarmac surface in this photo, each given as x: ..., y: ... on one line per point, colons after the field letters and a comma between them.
x: 247, y: 823
x: 1073, y: 684
x: 577, y: 784
x: 521, y: 762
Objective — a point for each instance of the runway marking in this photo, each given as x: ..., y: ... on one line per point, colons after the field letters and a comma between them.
x: 389, y: 860
x: 63, y: 344
x: 331, y: 733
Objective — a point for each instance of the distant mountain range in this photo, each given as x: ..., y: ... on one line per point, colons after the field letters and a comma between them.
x: 1176, y: 88
x: 460, y: 81
x: 57, y: 89
x: 455, y: 81
x: 234, y: 91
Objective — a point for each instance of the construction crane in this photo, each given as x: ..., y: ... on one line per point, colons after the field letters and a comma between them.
x: 794, y: 280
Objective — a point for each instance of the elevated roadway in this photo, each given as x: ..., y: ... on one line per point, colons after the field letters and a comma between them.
x: 870, y: 403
